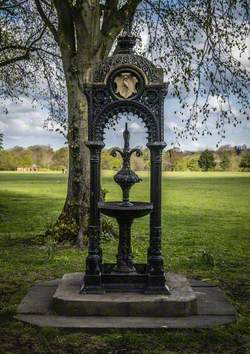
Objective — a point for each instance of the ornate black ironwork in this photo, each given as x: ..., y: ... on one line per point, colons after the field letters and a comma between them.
x: 125, y: 43
x: 126, y: 177
x: 125, y: 215
x: 153, y: 75
x: 111, y: 113
x: 125, y: 83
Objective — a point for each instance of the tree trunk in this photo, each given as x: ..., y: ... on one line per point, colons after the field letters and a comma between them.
x: 77, y: 200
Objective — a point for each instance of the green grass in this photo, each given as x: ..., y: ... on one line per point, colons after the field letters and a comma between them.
x: 206, y: 232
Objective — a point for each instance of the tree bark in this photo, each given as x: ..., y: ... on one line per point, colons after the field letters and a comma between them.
x: 77, y: 200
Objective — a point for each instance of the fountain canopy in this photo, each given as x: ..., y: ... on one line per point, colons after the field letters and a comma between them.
x: 125, y: 83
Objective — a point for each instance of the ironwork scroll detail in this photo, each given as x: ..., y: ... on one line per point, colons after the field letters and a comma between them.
x: 144, y: 64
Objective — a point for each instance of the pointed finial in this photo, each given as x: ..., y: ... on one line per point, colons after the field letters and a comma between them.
x: 126, y: 41
x: 126, y: 136
x: 127, y: 30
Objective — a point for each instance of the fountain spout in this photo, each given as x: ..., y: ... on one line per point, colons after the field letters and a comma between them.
x: 126, y: 177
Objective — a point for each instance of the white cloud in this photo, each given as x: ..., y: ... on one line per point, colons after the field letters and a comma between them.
x: 23, y: 125
x: 218, y: 103
x: 171, y: 125
x: 243, y: 57
x: 136, y: 128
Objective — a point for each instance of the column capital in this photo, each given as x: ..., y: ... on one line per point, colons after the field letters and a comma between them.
x: 95, y: 145
x: 156, y: 145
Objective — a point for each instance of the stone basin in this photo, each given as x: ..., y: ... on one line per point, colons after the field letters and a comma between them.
x: 119, y: 210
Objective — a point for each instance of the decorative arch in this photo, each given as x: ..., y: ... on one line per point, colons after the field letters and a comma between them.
x: 110, y: 115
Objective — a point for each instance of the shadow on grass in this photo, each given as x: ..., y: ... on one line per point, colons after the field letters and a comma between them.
x: 23, y: 215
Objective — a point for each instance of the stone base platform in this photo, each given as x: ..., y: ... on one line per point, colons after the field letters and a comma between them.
x: 68, y: 301
x: 37, y: 308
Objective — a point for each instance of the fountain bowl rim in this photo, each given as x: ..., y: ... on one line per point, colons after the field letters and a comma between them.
x: 117, y: 205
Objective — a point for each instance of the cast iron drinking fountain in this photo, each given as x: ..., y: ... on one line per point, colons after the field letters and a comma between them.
x: 125, y: 212
x: 125, y: 83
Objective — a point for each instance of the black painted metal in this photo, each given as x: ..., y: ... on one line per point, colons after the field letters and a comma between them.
x: 126, y: 178
x: 125, y: 213
x: 105, y: 108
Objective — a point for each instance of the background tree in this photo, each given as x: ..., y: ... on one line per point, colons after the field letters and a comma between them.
x: 60, y: 159
x: 106, y: 163
x: 48, y: 47
x: 193, y: 165
x: 180, y: 164
x: 42, y: 155
x: 245, y: 161
x: 240, y: 148
x: 138, y: 163
x: 7, y: 161
x: 206, y: 160
x: 170, y: 158
x: 21, y: 157
x: 225, y: 161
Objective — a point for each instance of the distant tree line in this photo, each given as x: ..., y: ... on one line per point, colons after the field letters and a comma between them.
x: 226, y: 158
x: 43, y: 157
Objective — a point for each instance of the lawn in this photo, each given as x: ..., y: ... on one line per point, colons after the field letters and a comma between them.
x: 206, y: 232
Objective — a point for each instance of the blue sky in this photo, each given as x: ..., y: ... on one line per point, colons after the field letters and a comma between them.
x: 23, y: 126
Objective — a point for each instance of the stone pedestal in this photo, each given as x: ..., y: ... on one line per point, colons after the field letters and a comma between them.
x: 181, y: 302
x: 38, y: 308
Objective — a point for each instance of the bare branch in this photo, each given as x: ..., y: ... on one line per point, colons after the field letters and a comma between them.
x: 46, y: 20
x: 15, y: 59
x: 27, y: 50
